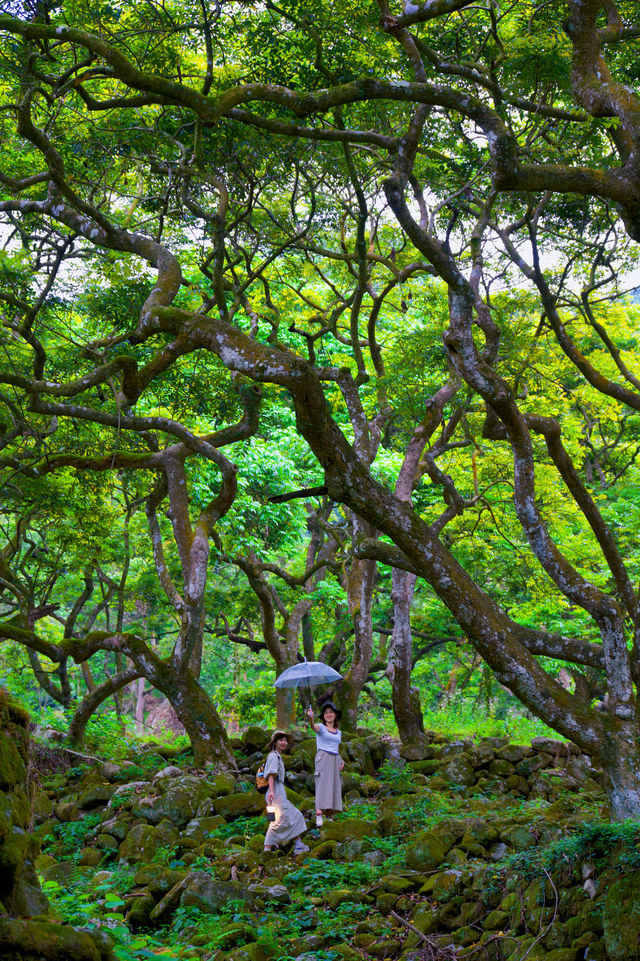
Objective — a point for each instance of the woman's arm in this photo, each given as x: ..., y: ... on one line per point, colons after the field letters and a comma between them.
x: 310, y: 719
x: 272, y: 781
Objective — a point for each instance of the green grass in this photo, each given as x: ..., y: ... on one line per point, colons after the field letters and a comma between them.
x: 467, y: 721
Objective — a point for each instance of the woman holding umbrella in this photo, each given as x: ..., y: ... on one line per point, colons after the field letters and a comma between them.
x: 328, y: 764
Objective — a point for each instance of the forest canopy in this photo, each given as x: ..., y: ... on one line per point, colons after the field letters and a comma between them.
x: 318, y: 340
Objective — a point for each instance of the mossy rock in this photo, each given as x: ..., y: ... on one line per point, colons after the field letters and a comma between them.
x: 595, y: 952
x: 459, y: 770
x: 199, y: 829
x: 479, y: 832
x: 144, y: 843
x: 139, y: 911
x: 27, y: 899
x: 117, y: 828
x: 501, y: 768
x: 256, y: 739
x: 444, y: 885
x: 232, y: 935
x: 333, y: 899
x: 157, y: 878
x: 90, y: 857
x: 13, y: 851
x: 12, y: 769
x: 204, y: 893
x: 386, y: 948
x: 33, y: 940
x: 96, y: 795
x: 621, y: 918
x: 346, y: 952
x: 239, y: 805
x: 428, y: 767
x: 251, y: 952
x: 394, y: 884
x: 359, y: 751
x: 349, y: 828
x: 179, y: 803
x: 221, y: 785
x: 518, y: 837
x: 428, y: 850
x: 496, y: 921
x: 324, y: 850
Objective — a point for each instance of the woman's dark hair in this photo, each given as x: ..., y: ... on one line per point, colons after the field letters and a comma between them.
x: 336, y: 711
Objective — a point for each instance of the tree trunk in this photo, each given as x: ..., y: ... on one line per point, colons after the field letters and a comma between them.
x: 406, y: 699
x: 201, y: 721
x: 285, y: 708
x: 620, y: 760
x: 139, y: 708
x: 362, y: 579
x: 92, y: 701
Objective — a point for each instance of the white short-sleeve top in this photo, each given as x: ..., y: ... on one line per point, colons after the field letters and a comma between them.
x: 327, y: 740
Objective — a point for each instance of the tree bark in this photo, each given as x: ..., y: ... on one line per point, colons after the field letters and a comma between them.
x: 92, y: 701
x: 407, y: 710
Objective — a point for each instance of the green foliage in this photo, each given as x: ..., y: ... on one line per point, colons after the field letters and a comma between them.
x: 70, y: 836
x: 315, y: 876
x: 598, y: 842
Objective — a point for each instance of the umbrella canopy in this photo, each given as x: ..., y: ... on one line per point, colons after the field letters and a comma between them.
x: 307, y: 674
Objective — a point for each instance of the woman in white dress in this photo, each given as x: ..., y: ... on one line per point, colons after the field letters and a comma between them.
x: 289, y: 823
x: 328, y: 764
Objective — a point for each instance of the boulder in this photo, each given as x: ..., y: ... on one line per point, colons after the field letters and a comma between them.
x: 201, y: 891
x: 501, y: 768
x: 621, y: 918
x: 30, y: 940
x: 349, y: 828
x: 221, y: 784
x: 358, y: 751
x: 255, y: 739
x: 518, y: 837
x: 157, y: 878
x: 12, y: 769
x: 479, y: 832
x: 178, y: 804
x: 459, y: 770
x: 513, y: 753
x: 239, y: 805
x: 428, y: 850
x: 96, y: 795
x: 139, y: 911
x: 145, y: 843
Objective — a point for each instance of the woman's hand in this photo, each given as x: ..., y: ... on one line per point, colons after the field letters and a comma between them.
x: 270, y: 797
x: 310, y: 713
x: 342, y: 765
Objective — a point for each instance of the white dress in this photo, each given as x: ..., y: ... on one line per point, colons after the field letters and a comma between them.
x: 289, y: 822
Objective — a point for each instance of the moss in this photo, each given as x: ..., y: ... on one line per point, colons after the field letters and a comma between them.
x: 12, y: 711
x: 38, y: 940
x: 12, y: 769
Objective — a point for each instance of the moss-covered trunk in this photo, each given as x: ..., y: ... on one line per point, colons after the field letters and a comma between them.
x: 620, y: 760
x: 406, y: 699
x: 201, y: 721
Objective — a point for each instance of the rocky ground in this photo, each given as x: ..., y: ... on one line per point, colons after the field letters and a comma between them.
x: 489, y: 850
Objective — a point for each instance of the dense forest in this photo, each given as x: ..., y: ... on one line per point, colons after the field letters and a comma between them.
x: 320, y: 324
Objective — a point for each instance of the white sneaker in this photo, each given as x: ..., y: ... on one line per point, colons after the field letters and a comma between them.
x: 299, y: 848
x: 319, y: 820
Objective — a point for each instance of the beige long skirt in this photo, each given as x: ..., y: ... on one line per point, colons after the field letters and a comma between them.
x: 328, y: 786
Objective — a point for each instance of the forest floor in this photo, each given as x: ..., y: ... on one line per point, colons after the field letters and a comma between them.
x: 487, y: 850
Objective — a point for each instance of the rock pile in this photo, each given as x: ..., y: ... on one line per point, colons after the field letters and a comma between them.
x: 193, y: 840
x: 25, y: 930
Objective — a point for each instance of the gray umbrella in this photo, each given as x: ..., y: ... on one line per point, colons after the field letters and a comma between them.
x: 307, y: 674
